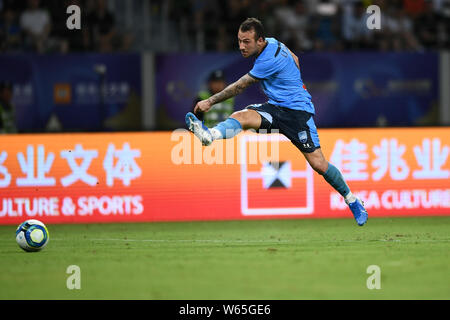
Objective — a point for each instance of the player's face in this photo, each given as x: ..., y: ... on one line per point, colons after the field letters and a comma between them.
x: 247, y: 43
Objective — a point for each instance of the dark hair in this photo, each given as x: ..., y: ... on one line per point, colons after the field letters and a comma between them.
x: 255, y: 25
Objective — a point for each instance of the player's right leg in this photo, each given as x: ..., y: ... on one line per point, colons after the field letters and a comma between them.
x: 300, y: 128
x: 334, y: 177
x: 238, y: 121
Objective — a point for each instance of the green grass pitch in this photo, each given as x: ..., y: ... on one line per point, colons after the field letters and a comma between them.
x: 268, y: 259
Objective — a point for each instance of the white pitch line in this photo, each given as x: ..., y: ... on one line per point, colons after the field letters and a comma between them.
x: 190, y: 240
x: 256, y: 241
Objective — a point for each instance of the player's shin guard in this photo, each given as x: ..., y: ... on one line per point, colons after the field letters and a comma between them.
x: 334, y: 177
x: 226, y: 129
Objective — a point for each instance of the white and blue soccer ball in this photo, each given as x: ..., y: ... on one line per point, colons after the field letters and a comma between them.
x: 32, y: 235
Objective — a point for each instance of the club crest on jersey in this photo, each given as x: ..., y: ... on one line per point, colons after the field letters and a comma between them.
x: 303, y: 137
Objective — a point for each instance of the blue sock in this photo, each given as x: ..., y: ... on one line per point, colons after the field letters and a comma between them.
x: 227, y: 129
x: 334, y: 177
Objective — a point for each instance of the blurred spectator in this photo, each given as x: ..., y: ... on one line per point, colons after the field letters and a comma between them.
x: 326, y: 23
x: 223, y: 42
x: 234, y: 12
x: 432, y: 28
x: 264, y: 9
x: 10, y: 33
x: 355, y: 33
x: 36, y: 24
x: 7, y: 118
x: 103, y: 35
x: 211, y: 25
x: 209, y: 36
x: 101, y: 24
x: 399, y: 30
x: 295, y: 23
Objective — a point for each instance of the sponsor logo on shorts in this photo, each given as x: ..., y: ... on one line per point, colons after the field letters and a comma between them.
x: 303, y: 137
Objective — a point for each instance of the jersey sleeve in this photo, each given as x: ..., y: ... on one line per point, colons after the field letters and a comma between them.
x: 263, y: 69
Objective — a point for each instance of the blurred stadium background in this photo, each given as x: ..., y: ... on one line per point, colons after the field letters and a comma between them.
x: 87, y: 118
x: 154, y: 53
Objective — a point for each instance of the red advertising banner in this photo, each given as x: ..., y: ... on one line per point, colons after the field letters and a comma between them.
x: 169, y: 176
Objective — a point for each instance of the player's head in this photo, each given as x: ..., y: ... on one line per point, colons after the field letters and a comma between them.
x: 251, y: 37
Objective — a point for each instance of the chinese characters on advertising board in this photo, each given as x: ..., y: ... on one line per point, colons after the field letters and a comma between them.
x: 162, y: 176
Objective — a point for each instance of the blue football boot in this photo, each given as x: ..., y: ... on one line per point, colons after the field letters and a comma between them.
x: 359, y: 212
x: 199, y: 129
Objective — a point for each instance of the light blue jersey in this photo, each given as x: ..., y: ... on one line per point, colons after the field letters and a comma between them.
x: 280, y: 78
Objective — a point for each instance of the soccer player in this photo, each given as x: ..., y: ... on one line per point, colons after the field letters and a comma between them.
x: 289, y: 108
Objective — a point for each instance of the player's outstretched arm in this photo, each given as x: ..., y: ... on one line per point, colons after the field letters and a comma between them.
x: 232, y: 90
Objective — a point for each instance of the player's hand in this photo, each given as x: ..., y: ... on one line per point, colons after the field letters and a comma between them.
x: 202, y: 106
